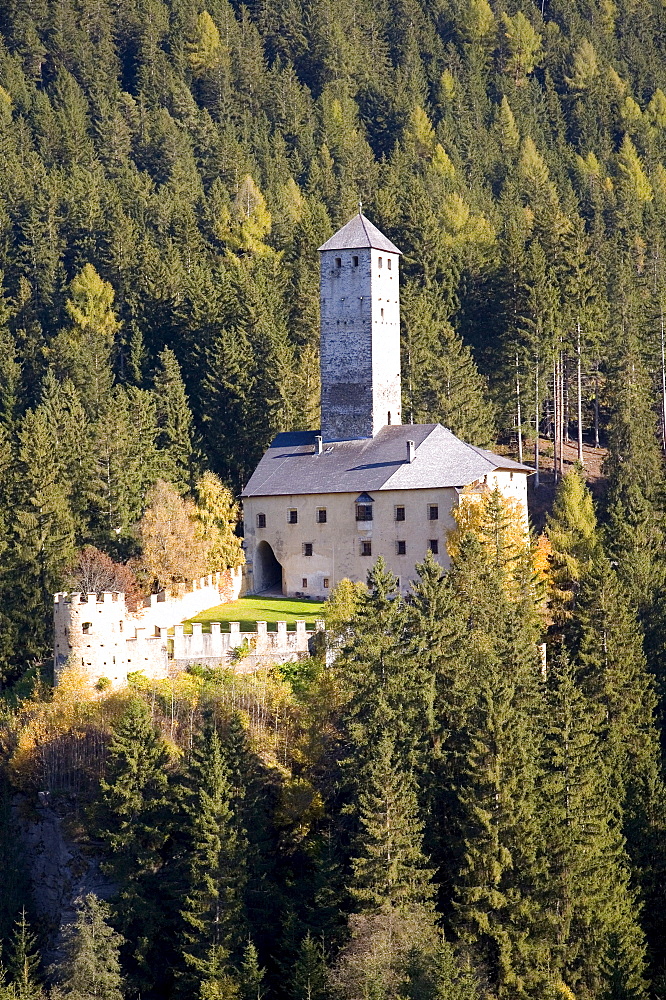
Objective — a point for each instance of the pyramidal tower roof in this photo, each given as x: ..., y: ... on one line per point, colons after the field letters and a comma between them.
x: 358, y: 233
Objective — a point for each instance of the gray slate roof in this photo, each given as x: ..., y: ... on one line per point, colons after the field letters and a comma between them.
x: 358, y: 233
x: 290, y: 466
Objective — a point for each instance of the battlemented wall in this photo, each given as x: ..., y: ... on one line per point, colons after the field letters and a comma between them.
x: 97, y: 633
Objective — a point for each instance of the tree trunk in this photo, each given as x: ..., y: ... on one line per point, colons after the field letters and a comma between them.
x: 536, y: 422
x: 555, y: 418
x: 663, y: 384
x: 596, y: 405
x: 519, y: 415
x: 580, y: 394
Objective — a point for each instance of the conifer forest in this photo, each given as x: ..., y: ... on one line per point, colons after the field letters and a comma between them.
x: 466, y: 801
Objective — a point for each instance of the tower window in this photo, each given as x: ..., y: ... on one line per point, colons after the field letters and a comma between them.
x: 400, y: 513
x: 355, y: 261
x: 307, y: 548
x: 433, y: 512
x: 389, y: 418
x: 401, y: 548
x: 321, y: 515
x: 338, y: 261
x: 261, y: 520
x: 366, y: 548
x: 382, y: 312
x: 325, y: 583
x: 433, y: 545
x: 364, y: 512
x: 388, y: 263
x: 292, y: 517
x: 304, y: 582
x: 379, y: 262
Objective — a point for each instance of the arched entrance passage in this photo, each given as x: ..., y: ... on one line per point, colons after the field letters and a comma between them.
x: 267, y: 570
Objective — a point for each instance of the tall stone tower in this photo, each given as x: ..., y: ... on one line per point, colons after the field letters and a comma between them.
x: 360, y: 332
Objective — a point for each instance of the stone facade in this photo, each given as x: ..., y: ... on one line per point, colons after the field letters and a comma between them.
x: 360, y: 342
x: 339, y: 546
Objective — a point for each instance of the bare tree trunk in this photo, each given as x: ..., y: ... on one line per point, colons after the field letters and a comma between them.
x: 555, y: 418
x: 519, y: 416
x: 579, y: 377
x: 663, y: 383
x: 565, y: 397
x: 596, y: 405
x: 562, y: 425
x: 536, y: 422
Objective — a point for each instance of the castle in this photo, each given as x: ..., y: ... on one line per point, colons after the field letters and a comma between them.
x: 322, y: 505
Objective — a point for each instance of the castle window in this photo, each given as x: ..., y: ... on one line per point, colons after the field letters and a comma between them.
x: 321, y: 515
x: 304, y: 582
x: 338, y: 261
x: 511, y: 476
x: 433, y: 545
x: 400, y: 513
x: 86, y: 627
x: 388, y: 263
x: 325, y: 583
x: 366, y: 548
x: 261, y: 520
x: 389, y: 418
x: 382, y: 313
x: 379, y: 262
x: 364, y: 512
x: 355, y: 261
x: 120, y: 626
x: 433, y: 512
x: 292, y: 517
x: 307, y: 548
x: 401, y: 548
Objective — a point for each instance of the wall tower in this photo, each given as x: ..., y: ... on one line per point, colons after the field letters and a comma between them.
x: 360, y: 332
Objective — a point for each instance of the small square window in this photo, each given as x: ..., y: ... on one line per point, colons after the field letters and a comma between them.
x: 321, y: 515
x: 366, y: 548
x: 400, y: 513
x: 355, y: 261
x: 379, y: 262
x: 433, y: 512
x: 325, y: 583
x: 338, y: 261
x: 304, y: 582
x: 388, y: 263
x: 261, y: 520
x: 307, y: 548
x: 401, y: 548
x: 292, y: 517
x: 433, y: 545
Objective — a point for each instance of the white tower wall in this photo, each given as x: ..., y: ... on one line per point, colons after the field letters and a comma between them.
x: 360, y: 342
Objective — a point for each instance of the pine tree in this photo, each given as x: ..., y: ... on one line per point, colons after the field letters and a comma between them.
x: 572, y: 532
x: 251, y: 975
x: 174, y: 422
x: 596, y: 942
x: 308, y: 979
x: 389, y: 870
x: 91, y: 968
x: 24, y: 960
x: 212, y: 897
x: 133, y: 822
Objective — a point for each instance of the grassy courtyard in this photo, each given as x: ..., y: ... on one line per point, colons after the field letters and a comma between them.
x: 249, y: 610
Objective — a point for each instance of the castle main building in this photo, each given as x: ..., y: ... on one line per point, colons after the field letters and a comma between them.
x: 323, y: 505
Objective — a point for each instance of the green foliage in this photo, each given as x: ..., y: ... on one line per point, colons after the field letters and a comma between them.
x: 92, y: 965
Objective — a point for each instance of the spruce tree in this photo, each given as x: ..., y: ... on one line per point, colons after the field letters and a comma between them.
x: 91, y: 968
x: 309, y: 980
x: 133, y: 822
x: 596, y: 943
x: 23, y: 959
x: 174, y: 422
x: 212, y: 896
x: 572, y: 532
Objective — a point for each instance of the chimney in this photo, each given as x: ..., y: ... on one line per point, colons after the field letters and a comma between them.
x: 410, y: 451
x: 318, y: 448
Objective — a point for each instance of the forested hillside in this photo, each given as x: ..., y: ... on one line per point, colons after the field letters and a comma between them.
x: 431, y: 816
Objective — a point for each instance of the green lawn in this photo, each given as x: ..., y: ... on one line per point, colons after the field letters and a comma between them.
x: 249, y: 610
